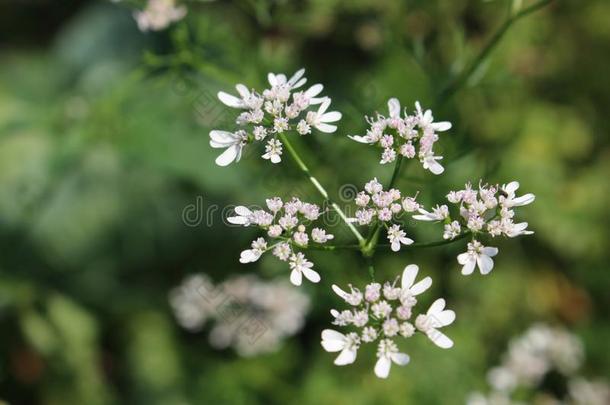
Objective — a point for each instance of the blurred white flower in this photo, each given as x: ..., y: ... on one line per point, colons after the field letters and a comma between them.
x: 158, y: 15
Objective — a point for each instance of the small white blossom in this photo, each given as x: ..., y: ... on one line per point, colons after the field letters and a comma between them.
x: 300, y: 267
x: 387, y: 353
x: 233, y: 142
x: 397, y: 236
x: 436, y: 317
x: 320, y: 236
x: 273, y: 151
x: 333, y: 341
x: 477, y: 255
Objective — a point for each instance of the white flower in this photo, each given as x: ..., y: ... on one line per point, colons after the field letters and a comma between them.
x: 478, y: 255
x: 273, y: 151
x: 430, y: 162
x: 410, y: 288
x: 452, y: 230
x: 158, y: 15
x: 510, y: 200
x: 232, y: 141
x: 320, y: 119
x: 300, y: 267
x: 354, y: 297
x: 259, y: 246
x: 320, y: 236
x: 244, y: 216
x: 397, y: 236
x: 438, y: 213
x: 387, y: 353
x: 247, y: 99
x: 436, y: 317
x: 280, y: 81
x: 426, y: 120
x: 282, y: 251
x: 274, y: 204
x: 333, y: 341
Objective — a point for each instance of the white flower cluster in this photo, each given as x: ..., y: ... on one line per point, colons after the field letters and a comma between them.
x: 488, y: 210
x: 376, y: 205
x: 401, y: 133
x: 158, y: 15
x: 273, y: 111
x: 250, y: 315
x: 287, y: 225
x: 381, y: 314
x: 530, y: 357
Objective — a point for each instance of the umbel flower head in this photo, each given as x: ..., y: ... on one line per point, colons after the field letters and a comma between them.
x: 487, y: 211
x: 381, y: 315
x: 384, y: 207
x: 288, y: 227
x: 407, y: 135
x: 278, y: 109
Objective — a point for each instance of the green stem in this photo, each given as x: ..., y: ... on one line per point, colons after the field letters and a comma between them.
x: 461, y: 79
x: 431, y: 244
x: 368, y: 248
x: 303, y: 167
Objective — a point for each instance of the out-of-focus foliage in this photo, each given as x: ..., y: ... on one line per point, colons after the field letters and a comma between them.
x: 104, y: 143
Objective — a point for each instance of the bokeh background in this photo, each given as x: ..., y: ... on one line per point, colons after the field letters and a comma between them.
x: 104, y: 145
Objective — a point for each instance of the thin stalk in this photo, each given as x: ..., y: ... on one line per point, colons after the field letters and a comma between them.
x: 368, y: 248
x: 432, y: 243
x: 461, y: 79
x: 303, y: 167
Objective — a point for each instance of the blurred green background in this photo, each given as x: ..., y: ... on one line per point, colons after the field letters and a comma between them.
x: 104, y: 143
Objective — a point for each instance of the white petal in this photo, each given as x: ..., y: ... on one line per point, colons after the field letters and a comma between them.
x: 324, y: 106
x: 395, y: 246
x: 242, y: 90
x: 485, y: 263
x: 469, y: 266
x: 490, y: 251
x: 382, y: 367
x: 463, y: 258
x: 314, y: 90
x: 440, y: 339
x: 443, y: 318
x: 436, y: 307
x: 524, y: 200
x: 249, y: 256
x: 228, y: 155
x: 331, y: 116
x: 338, y: 291
x: 345, y: 357
x: 400, y: 358
x: 333, y: 345
x: 276, y: 158
x: 311, y: 275
x: 272, y: 79
x: 222, y: 138
x: 360, y: 138
x: 435, y: 167
x: 238, y: 220
x: 441, y: 126
x: 511, y: 187
x: 421, y: 286
x: 327, y: 128
x: 229, y: 100
x: 394, y: 107
x: 243, y: 211
x: 296, y: 76
x: 408, y: 275
x: 295, y: 277
x: 299, y: 83
x: 423, y: 218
